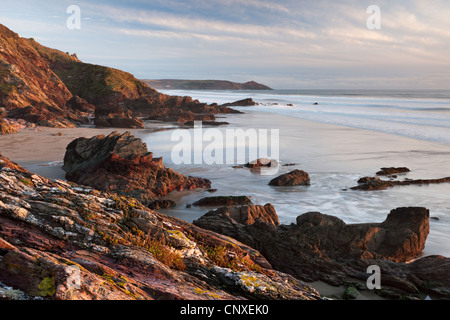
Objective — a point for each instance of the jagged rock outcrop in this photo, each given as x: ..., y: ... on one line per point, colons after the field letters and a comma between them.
x: 400, y: 238
x: 323, y: 247
x: 7, y: 128
x: 77, y: 103
x: 114, y: 116
x: 122, y: 163
x: 241, y: 103
x: 67, y: 242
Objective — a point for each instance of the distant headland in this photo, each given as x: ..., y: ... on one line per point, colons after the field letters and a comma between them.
x: 204, y: 85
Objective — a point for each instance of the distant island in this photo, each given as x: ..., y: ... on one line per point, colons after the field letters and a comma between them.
x: 204, y: 85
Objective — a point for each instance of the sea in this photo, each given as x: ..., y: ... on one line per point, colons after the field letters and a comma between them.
x: 337, y: 136
x: 422, y: 115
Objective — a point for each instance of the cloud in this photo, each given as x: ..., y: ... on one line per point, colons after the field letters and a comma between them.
x: 287, y: 39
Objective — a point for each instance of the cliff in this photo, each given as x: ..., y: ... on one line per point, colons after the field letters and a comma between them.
x: 29, y: 89
x: 42, y: 85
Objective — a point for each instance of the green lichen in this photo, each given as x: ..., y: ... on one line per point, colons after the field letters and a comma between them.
x: 207, y: 293
x: 26, y: 181
x: 351, y: 293
x: 7, y: 88
x: 47, y: 287
x: 164, y: 254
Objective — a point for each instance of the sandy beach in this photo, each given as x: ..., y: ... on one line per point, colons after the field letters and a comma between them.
x: 41, y: 150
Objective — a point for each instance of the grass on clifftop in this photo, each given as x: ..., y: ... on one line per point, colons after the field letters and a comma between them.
x: 94, y: 83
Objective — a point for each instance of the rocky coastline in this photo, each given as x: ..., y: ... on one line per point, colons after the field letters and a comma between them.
x: 123, y: 249
x: 97, y: 236
x: 48, y: 87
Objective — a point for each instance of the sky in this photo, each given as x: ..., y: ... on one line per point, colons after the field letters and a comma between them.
x: 286, y: 44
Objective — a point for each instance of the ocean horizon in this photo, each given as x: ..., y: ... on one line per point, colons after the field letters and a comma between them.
x: 423, y: 114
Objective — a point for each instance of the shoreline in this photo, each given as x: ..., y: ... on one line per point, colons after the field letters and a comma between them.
x: 41, y: 146
x: 41, y: 150
x: 51, y: 146
x: 334, y: 155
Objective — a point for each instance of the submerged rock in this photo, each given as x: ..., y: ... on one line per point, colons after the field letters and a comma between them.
x: 262, y: 162
x: 294, y: 178
x: 392, y: 170
x: 375, y: 183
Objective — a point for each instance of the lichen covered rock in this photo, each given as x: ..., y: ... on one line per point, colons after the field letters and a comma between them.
x: 63, y: 241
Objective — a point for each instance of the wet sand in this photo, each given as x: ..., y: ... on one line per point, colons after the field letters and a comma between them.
x: 41, y: 150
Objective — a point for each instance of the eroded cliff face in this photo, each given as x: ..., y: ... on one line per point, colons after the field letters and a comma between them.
x: 38, y: 82
x: 29, y: 89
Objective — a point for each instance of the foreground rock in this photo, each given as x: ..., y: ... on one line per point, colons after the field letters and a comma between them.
x: 322, y: 247
x: 122, y: 163
x: 67, y: 242
x: 400, y: 238
x: 232, y: 221
x: 162, y: 204
x: 293, y: 178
